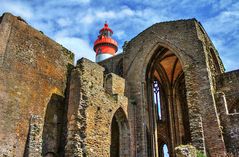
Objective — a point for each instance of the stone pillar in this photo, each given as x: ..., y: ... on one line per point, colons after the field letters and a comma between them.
x: 114, y: 84
x: 75, y: 118
x: 34, y: 147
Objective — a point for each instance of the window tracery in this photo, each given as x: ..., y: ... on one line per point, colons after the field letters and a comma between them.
x: 157, y: 99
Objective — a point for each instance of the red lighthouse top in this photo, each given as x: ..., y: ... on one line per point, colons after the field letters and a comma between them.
x: 105, y: 44
x: 106, y: 28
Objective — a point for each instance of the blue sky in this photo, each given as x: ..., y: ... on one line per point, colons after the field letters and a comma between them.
x: 75, y: 23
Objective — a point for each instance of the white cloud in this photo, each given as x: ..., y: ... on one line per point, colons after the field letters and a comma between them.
x: 225, y: 22
x: 75, y: 23
x: 230, y: 64
x: 103, y: 15
x: 221, y: 4
x: 87, y: 19
x: 120, y: 34
x: 126, y: 12
x: 79, y: 1
x: 17, y: 8
x: 218, y: 43
x: 224, y: 31
x: 79, y: 47
x: 67, y: 3
x: 63, y: 22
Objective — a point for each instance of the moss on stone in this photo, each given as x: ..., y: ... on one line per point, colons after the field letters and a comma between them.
x: 68, y: 52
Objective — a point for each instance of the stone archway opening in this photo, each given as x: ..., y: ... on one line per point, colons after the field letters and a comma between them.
x: 167, y: 108
x: 52, y: 143
x: 115, y: 145
x: 120, y: 135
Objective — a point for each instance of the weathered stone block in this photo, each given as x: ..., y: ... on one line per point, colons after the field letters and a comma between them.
x: 114, y: 84
x: 34, y: 144
x: 186, y: 151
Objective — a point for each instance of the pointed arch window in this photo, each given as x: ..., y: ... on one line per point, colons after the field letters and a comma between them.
x: 157, y: 98
x: 120, y: 135
x: 165, y: 151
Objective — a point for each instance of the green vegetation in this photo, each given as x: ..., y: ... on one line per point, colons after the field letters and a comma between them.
x: 190, y: 149
x: 200, y: 154
x: 68, y: 52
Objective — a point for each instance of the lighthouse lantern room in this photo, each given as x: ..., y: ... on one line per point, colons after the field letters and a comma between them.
x: 105, y: 46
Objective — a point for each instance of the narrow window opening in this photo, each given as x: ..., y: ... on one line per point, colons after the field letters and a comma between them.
x: 165, y: 151
x: 120, y: 136
x: 157, y: 100
x: 115, y: 141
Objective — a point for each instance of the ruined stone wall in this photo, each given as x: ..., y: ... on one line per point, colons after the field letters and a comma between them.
x: 113, y: 64
x: 93, y: 101
x: 33, y: 80
x: 32, y: 69
x: 215, y: 67
x: 228, y: 104
x: 180, y: 37
x: 214, y: 63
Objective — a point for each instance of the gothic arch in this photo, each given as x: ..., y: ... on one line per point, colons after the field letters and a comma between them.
x: 156, y: 51
x: 50, y: 154
x: 163, y: 150
x: 120, y: 135
x: 215, y: 61
x: 164, y: 106
x: 191, y: 54
x: 162, y: 141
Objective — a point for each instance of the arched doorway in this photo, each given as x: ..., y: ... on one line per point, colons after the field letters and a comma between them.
x: 52, y: 143
x: 120, y: 135
x: 115, y: 139
x: 167, y: 105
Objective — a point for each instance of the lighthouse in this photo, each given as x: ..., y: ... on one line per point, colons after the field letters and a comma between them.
x: 105, y: 46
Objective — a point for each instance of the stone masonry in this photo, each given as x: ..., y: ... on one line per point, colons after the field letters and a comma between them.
x: 190, y: 43
x: 52, y: 108
x: 32, y: 69
x: 93, y: 101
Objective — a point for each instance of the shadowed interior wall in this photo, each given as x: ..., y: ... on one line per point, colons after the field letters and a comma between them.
x: 115, y: 139
x: 53, y: 125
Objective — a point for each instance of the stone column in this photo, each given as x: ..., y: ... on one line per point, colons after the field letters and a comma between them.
x: 34, y: 147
